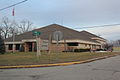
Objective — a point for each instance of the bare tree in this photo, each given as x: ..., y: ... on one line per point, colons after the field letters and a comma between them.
x: 13, y: 29
x: 25, y: 26
x: 119, y: 42
x: 9, y: 28
x: 108, y: 46
x: 5, y: 27
x: 0, y: 31
x: 116, y: 43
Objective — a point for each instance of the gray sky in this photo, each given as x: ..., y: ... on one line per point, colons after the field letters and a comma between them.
x: 70, y: 13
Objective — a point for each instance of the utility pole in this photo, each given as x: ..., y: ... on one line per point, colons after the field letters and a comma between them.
x: 13, y: 41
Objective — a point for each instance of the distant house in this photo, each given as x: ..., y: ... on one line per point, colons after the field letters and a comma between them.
x: 72, y: 40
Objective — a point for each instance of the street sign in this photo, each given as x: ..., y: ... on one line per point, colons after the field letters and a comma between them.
x: 36, y: 33
x: 58, y: 35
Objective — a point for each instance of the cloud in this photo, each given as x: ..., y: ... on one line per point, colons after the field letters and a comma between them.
x: 73, y: 13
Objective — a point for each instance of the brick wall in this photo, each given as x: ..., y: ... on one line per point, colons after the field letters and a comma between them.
x: 55, y: 48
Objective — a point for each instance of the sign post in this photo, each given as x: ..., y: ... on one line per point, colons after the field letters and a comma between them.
x: 36, y: 33
x: 58, y: 35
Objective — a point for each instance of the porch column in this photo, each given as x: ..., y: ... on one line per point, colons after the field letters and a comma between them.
x: 33, y: 46
x: 6, y: 48
x: 14, y: 46
x: 26, y: 47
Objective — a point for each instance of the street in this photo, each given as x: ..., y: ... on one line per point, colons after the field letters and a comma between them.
x: 105, y: 69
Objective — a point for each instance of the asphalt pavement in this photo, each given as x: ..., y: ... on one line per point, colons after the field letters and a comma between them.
x: 105, y: 69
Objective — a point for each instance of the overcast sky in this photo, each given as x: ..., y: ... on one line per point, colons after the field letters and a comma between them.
x: 70, y: 13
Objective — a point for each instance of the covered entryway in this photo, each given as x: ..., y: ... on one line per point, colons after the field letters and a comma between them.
x: 29, y: 46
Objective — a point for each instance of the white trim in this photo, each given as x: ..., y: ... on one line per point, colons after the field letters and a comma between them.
x: 79, y: 41
x: 29, y: 40
x: 53, y: 41
x: 14, y: 42
x: 99, y: 39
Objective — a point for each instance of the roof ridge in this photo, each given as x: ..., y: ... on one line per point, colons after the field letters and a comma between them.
x: 91, y: 33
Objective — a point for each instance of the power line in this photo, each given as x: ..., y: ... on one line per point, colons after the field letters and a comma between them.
x: 87, y: 27
x: 13, y: 5
x: 98, y: 26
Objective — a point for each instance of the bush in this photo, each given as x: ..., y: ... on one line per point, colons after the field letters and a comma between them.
x: 81, y: 50
x: 100, y: 49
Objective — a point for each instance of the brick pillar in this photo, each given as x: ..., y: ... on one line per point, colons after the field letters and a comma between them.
x: 33, y: 45
x: 26, y: 47
x: 14, y: 46
x: 6, y: 48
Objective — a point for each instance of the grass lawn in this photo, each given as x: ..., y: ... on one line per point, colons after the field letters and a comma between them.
x: 116, y: 48
x: 21, y: 58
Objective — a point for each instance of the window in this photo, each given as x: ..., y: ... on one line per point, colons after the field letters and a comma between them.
x: 10, y: 46
x: 72, y: 44
x: 17, y: 46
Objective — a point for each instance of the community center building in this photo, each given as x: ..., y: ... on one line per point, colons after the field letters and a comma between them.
x: 69, y: 40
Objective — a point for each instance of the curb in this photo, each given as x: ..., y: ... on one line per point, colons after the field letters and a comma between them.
x: 58, y: 64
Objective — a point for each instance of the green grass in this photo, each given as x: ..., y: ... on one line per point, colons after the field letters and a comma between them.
x: 21, y: 58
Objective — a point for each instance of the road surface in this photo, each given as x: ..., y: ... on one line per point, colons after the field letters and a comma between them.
x: 106, y: 69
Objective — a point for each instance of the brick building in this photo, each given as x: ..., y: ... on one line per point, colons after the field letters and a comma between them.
x: 72, y: 40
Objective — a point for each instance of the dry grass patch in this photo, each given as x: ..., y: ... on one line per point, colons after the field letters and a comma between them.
x: 22, y: 58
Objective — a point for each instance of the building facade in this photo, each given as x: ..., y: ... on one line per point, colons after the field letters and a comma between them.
x: 71, y: 40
